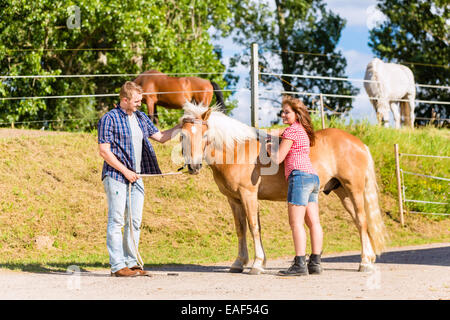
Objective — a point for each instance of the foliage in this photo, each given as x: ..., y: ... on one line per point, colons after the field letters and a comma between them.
x: 285, y: 36
x: 415, y: 33
x: 113, y: 37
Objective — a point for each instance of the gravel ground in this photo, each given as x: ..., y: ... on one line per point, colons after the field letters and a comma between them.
x: 418, y: 272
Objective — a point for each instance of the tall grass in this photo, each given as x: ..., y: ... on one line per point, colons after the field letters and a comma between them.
x: 423, y: 141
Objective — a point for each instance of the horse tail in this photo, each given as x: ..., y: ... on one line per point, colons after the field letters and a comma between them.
x: 375, y: 224
x: 220, y: 101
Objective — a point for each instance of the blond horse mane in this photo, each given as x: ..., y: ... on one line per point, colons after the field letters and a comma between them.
x: 222, y: 130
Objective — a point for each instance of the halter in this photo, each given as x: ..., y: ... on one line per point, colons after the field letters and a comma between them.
x: 194, y: 121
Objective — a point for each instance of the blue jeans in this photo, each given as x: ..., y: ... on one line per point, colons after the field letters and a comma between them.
x: 120, y: 246
x: 303, y: 188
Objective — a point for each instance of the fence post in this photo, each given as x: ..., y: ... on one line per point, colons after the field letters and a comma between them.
x: 322, y: 115
x: 254, y: 85
x: 399, y: 184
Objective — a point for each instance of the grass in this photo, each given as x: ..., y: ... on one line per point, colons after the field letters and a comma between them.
x: 51, y: 189
x: 425, y: 141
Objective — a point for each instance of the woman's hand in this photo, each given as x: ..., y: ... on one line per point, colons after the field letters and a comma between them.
x: 279, y: 155
x: 276, y: 132
x: 269, y: 148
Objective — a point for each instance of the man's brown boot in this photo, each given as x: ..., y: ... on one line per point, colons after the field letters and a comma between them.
x: 140, y: 271
x: 125, y: 272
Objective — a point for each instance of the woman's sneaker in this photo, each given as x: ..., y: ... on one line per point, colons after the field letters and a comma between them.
x: 298, y: 268
x: 314, y: 266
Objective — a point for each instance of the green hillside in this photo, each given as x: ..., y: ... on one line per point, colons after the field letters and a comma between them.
x: 53, y: 209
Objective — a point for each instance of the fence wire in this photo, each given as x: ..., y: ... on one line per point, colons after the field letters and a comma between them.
x: 423, y: 176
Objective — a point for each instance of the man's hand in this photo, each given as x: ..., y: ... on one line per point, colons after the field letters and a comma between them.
x: 166, y: 135
x: 131, y: 176
x: 110, y: 158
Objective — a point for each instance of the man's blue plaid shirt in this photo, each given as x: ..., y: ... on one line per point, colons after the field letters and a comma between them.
x: 114, y: 128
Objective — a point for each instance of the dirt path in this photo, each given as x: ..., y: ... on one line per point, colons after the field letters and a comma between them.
x: 418, y: 272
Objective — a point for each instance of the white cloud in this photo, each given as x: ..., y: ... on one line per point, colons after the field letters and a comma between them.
x: 267, y: 111
x: 358, y: 13
x: 242, y: 111
x: 362, y: 108
x: 356, y: 68
x: 374, y: 17
x: 356, y: 62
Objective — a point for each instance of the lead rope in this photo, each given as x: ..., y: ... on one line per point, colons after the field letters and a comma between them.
x: 139, y: 260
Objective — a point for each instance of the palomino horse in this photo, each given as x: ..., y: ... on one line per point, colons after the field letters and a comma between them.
x: 243, y: 172
x: 173, y: 92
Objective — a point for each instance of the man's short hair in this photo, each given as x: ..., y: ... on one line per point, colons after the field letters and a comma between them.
x: 128, y: 88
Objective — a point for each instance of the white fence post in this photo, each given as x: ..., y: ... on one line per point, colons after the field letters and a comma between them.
x: 322, y: 115
x: 399, y: 184
x: 254, y: 85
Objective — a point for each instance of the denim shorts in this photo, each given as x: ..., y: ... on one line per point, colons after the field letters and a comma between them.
x: 303, y: 188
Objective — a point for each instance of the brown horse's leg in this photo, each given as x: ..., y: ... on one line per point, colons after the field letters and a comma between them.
x: 241, y: 231
x: 250, y: 202
x: 356, y: 195
x: 151, y: 108
x: 207, y: 99
x: 155, y: 115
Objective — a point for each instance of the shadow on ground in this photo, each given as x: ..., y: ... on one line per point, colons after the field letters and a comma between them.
x: 431, y: 256
x: 74, y: 266
x: 53, y: 267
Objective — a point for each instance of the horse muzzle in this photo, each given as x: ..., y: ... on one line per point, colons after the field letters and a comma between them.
x: 194, y: 168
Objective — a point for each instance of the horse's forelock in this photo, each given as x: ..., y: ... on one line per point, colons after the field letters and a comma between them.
x: 222, y: 129
x: 195, y: 111
x: 192, y: 111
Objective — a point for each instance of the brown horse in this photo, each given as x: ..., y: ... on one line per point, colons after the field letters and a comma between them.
x: 244, y: 173
x: 173, y: 92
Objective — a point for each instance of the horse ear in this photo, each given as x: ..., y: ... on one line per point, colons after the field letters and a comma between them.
x: 206, y: 114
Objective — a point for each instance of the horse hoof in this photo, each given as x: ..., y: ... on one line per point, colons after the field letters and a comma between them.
x: 366, y: 268
x: 256, y: 271
x: 236, y: 270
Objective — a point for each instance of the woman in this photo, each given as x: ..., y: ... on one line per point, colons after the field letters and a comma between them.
x: 304, y: 185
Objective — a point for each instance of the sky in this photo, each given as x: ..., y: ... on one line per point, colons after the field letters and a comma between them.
x: 361, y: 15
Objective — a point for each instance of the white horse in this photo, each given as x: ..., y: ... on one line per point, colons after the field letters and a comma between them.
x: 391, y: 82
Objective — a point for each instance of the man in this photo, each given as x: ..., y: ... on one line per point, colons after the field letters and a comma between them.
x: 123, y: 142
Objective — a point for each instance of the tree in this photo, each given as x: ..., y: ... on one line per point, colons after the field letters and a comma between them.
x: 415, y: 33
x: 300, y: 36
x: 50, y: 37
